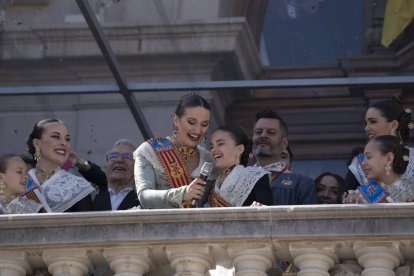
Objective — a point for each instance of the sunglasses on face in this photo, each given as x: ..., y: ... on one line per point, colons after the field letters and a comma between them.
x: 114, y: 155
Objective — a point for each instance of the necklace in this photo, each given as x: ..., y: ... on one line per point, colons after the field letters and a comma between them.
x: 186, y: 152
x: 222, y: 176
x: 6, y: 199
x: 43, y: 175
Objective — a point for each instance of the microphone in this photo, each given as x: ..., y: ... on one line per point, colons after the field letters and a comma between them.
x: 204, y: 173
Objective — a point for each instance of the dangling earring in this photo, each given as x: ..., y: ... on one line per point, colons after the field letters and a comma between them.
x: 37, y: 154
x: 251, y: 155
x: 2, y: 187
x: 388, y: 169
x: 237, y: 160
x: 393, y: 132
x: 175, y: 131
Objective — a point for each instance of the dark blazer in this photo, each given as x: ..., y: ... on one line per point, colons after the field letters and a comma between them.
x: 293, y: 189
x: 102, y: 201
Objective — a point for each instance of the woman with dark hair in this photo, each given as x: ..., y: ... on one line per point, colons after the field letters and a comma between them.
x: 383, y: 118
x: 236, y: 184
x: 328, y: 188
x: 13, y: 178
x: 385, y: 162
x: 167, y: 168
x: 53, y: 187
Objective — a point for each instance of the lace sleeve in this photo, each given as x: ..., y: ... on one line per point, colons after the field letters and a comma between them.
x: 409, y: 173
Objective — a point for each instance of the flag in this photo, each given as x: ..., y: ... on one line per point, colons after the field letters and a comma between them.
x: 398, y: 14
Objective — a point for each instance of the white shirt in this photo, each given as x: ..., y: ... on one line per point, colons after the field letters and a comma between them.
x: 117, y: 198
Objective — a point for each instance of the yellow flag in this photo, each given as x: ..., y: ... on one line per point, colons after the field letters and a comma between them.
x: 398, y: 14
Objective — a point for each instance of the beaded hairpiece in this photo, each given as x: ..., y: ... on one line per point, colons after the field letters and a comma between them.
x: 410, y: 125
x: 406, y: 158
x: 188, y: 95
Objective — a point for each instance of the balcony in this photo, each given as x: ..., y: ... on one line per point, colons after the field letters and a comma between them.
x: 319, y: 239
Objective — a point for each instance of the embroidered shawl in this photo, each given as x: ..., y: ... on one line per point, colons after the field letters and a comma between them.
x: 23, y: 205
x: 358, y: 171
x: 61, y: 191
x: 399, y: 191
x: 238, y: 185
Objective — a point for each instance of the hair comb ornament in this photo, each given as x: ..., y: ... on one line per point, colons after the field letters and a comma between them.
x: 410, y: 126
x: 406, y: 158
x: 408, y: 110
x: 188, y: 95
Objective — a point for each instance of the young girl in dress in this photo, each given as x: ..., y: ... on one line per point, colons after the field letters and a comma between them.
x: 385, y: 161
x: 236, y: 185
x: 13, y: 178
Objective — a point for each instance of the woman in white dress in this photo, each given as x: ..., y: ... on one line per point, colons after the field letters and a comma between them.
x: 167, y: 169
x: 383, y: 118
x: 57, y: 190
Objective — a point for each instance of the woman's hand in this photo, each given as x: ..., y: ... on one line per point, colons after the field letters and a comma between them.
x: 256, y: 204
x: 194, y: 190
x: 350, y: 197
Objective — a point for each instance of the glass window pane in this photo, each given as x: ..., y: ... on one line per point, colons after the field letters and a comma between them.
x: 312, y: 32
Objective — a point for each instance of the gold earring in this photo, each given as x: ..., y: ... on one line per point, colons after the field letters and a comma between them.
x: 2, y: 187
x: 37, y: 154
x: 388, y: 169
x: 393, y: 132
x: 251, y: 155
x: 237, y: 160
x: 175, y: 131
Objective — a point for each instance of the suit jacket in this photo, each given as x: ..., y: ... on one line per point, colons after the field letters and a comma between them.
x: 293, y: 189
x: 102, y: 201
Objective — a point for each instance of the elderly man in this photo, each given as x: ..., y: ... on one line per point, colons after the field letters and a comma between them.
x: 270, y: 139
x: 120, y: 194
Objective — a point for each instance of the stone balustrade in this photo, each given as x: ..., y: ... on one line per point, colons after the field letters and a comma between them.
x: 318, y: 239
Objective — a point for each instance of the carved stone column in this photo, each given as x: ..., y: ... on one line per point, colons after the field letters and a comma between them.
x: 378, y: 259
x: 13, y: 263
x: 251, y: 260
x: 190, y: 260
x: 67, y: 262
x: 128, y: 261
x: 313, y: 259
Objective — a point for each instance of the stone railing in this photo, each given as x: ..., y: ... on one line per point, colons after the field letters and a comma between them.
x: 318, y: 239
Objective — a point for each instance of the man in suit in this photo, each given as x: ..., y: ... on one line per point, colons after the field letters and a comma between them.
x: 119, y: 193
x: 270, y: 139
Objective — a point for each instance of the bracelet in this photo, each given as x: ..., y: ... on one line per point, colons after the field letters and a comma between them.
x: 83, y: 164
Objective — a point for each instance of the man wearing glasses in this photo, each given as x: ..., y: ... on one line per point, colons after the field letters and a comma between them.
x: 120, y: 194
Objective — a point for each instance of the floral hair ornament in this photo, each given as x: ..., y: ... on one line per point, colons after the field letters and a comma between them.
x: 406, y: 158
